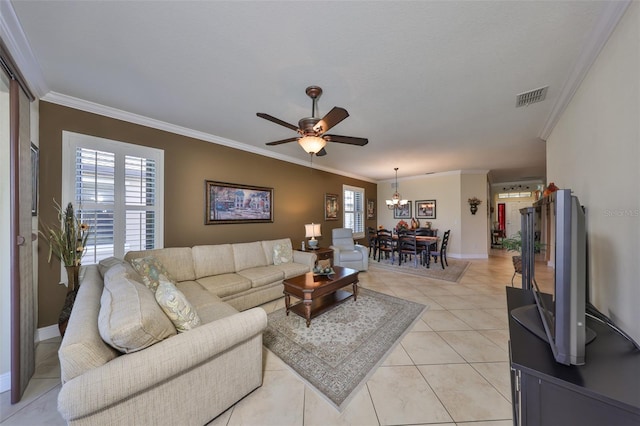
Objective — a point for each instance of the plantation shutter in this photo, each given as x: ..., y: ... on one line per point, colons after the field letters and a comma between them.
x: 95, y: 176
x: 117, y: 192
x: 354, y: 210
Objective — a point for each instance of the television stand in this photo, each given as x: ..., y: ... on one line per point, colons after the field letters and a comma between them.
x: 529, y: 317
x: 604, y: 391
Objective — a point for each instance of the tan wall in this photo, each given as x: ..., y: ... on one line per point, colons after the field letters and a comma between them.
x: 298, y: 191
x: 449, y: 189
x: 595, y: 151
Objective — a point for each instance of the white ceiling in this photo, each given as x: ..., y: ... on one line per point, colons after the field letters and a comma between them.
x: 432, y: 85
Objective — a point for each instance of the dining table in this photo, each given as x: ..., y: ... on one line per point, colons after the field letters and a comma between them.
x: 431, y: 244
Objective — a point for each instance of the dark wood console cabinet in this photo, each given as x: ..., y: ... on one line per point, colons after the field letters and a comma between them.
x: 604, y: 391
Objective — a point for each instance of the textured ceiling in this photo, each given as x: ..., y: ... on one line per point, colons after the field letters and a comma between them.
x: 433, y: 85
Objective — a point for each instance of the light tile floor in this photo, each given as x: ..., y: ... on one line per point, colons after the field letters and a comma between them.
x: 451, y: 369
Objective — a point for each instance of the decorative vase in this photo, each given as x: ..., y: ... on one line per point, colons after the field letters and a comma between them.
x: 72, y: 276
x: 474, y: 208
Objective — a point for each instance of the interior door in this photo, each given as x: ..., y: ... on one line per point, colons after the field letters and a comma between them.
x: 18, y: 208
x: 513, y: 216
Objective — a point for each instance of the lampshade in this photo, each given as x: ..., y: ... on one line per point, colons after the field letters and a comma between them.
x: 312, y: 144
x: 312, y: 230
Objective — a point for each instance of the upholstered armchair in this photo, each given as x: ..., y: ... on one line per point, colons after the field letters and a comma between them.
x: 346, y: 253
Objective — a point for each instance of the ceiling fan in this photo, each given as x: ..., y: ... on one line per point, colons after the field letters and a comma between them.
x: 312, y: 130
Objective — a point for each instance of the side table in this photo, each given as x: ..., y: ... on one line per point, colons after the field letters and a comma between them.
x: 322, y: 253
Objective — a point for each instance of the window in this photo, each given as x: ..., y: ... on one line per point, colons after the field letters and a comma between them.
x: 117, y: 189
x: 514, y: 194
x: 354, y: 210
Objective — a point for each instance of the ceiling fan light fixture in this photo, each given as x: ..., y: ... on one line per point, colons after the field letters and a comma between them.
x: 312, y: 144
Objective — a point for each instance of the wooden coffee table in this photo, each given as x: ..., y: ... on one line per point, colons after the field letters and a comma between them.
x: 318, y: 293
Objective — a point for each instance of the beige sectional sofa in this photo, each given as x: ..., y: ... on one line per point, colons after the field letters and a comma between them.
x: 185, y: 378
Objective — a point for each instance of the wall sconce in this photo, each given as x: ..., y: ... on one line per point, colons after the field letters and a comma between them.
x: 312, y: 231
x: 473, y: 204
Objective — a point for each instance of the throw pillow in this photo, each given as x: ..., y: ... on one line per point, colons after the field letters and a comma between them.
x: 282, y: 253
x: 176, y: 306
x: 151, y: 270
x: 130, y: 319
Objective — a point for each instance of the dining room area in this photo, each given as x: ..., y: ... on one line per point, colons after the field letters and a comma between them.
x: 420, y: 247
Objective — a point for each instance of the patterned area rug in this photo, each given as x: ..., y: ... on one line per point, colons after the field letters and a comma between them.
x: 342, y: 347
x: 454, y: 272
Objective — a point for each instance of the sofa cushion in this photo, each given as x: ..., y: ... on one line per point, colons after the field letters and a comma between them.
x: 248, y: 255
x: 197, y: 295
x: 282, y: 253
x: 82, y: 349
x: 181, y: 313
x: 105, y: 264
x: 213, y: 260
x: 216, y: 311
x: 225, y: 284
x: 151, y: 270
x: 130, y: 319
x: 177, y: 260
x: 292, y: 269
x: 268, y: 247
x: 262, y: 275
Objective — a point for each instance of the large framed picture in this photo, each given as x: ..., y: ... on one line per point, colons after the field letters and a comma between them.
x: 235, y: 203
x: 331, y: 206
x: 402, y: 212
x: 371, y: 209
x: 426, y: 209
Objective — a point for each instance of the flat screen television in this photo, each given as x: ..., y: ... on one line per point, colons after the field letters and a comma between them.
x: 555, y: 270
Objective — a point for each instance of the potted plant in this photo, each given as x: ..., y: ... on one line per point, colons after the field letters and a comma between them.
x: 514, y: 243
x: 67, y: 241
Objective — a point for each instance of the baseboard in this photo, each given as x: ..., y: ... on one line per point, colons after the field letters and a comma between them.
x: 47, y: 333
x: 467, y: 256
x: 5, y: 382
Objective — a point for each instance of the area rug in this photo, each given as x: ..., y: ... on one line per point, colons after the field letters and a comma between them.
x: 342, y: 347
x: 453, y: 273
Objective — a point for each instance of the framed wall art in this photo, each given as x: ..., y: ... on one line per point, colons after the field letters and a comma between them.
x: 371, y: 209
x: 331, y: 207
x: 236, y: 203
x: 402, y: 212
x: 426, y: 209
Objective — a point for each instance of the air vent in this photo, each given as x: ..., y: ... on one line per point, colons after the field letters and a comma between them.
x: 531, y: 97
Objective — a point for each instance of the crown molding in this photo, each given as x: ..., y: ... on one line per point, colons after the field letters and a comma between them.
x: 437, y: 174
x: 16, y: 42
x: 95, y: 108
x: 604, y: 27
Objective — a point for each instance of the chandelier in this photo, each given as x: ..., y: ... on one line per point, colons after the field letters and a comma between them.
x: 396, y: 199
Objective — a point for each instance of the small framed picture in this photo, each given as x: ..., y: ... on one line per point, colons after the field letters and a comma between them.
x: 331, y: 207
x: 371, y: 209
x: 402, y: 212
x: 426, y: 209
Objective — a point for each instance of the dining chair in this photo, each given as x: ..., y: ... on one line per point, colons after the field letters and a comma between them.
x: 425, y: 246
x: 442, y: 253
x: 372, y: 237
x: 407, y: 246
x: 385, y: 244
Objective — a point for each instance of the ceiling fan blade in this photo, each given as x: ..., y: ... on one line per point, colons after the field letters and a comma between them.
x: 277, y: 121
x: 282, y: 141
x: 333, y: 117
x: 346, y: 139
x: 321, y: 153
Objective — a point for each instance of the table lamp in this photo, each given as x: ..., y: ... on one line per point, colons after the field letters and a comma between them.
x: 312, y: 231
